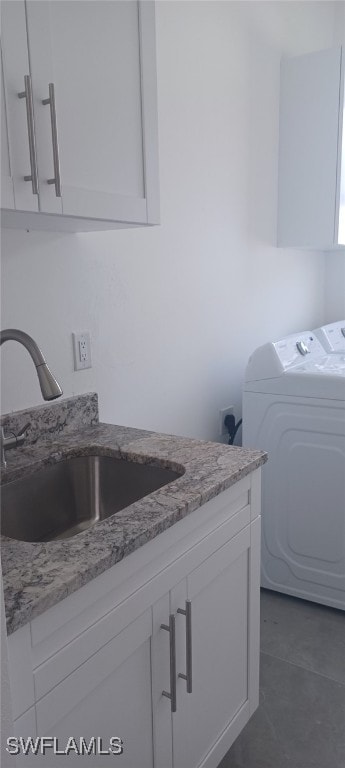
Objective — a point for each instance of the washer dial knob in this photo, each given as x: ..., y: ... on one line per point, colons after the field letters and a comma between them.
x: 302, y: 348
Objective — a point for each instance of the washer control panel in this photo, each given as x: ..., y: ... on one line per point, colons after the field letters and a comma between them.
x: 332, y: 336
x: 296, y: 353
x: 293, y: 348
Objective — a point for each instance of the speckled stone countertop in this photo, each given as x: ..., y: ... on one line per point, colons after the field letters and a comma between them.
x: 36, y: 576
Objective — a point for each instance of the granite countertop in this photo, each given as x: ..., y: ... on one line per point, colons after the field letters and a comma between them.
x: 36, y: 576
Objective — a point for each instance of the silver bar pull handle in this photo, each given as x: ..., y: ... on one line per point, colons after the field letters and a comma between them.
x: 187, y: 612
x: 57, y: 178
x: 172, y: 694
x: 27, y: 95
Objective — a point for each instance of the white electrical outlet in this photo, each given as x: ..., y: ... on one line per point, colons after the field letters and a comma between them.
x: 82, y: 350
x: 222, y: 413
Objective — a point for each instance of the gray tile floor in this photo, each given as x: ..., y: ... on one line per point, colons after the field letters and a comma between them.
x: 300, y: 722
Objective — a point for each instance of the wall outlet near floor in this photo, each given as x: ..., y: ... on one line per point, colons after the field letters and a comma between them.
x: 222, y: 413
x: 81, y: 350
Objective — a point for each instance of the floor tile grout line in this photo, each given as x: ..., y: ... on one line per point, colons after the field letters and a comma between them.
x: 306, y: 669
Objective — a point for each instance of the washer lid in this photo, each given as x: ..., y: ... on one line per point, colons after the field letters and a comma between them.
x: 327, y: 365
x: 303, y: 384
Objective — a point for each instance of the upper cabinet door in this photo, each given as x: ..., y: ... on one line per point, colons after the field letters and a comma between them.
x: 311, y: 152
x: 93, y: 65
x: 341, y: 162
x: 18, y: 152
x: 7, y: 191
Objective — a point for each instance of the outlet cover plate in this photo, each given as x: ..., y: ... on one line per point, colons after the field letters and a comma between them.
x: 81, y: 350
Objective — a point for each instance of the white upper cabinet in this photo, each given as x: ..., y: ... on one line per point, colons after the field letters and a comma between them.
x: 311, y: 210
x: 7, y: 192
x: 16, y: 113
x: 94, y: 112
x: 341, y: 162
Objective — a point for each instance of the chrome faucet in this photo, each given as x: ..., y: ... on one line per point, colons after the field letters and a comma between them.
x: 49, y: 387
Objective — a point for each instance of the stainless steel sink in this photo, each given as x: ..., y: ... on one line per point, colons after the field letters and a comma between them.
x: 67, y: 498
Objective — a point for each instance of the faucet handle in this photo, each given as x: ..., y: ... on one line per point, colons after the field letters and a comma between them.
x: 11, y: 441
x: 21, y: 434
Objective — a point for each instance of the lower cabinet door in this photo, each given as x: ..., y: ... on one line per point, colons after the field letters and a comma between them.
x: 107, y: 697
x: 218, y: 707
x: 24, y: 728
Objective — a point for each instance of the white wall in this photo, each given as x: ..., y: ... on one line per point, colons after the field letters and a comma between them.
x: 174, y: 311
x: 339, y: 23
x: 335, y: 286
x: 335, y: 262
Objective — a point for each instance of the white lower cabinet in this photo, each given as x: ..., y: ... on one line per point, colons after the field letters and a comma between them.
x: 116, y: 678
x: 109, y: 696
x: 218, y: 593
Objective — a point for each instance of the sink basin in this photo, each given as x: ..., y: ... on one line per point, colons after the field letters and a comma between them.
x: 67, y: 498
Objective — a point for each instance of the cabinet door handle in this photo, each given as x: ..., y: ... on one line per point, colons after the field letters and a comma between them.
x: 171, y: 629
x: 57, y: 178
x: 27, y: 95
x: 187, y: 612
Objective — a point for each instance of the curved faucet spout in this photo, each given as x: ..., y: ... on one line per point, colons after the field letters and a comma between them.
x: 49, y: 386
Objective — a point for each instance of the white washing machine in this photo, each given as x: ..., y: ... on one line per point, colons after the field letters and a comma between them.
x: 332, y: 336
x: 294, y: 408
